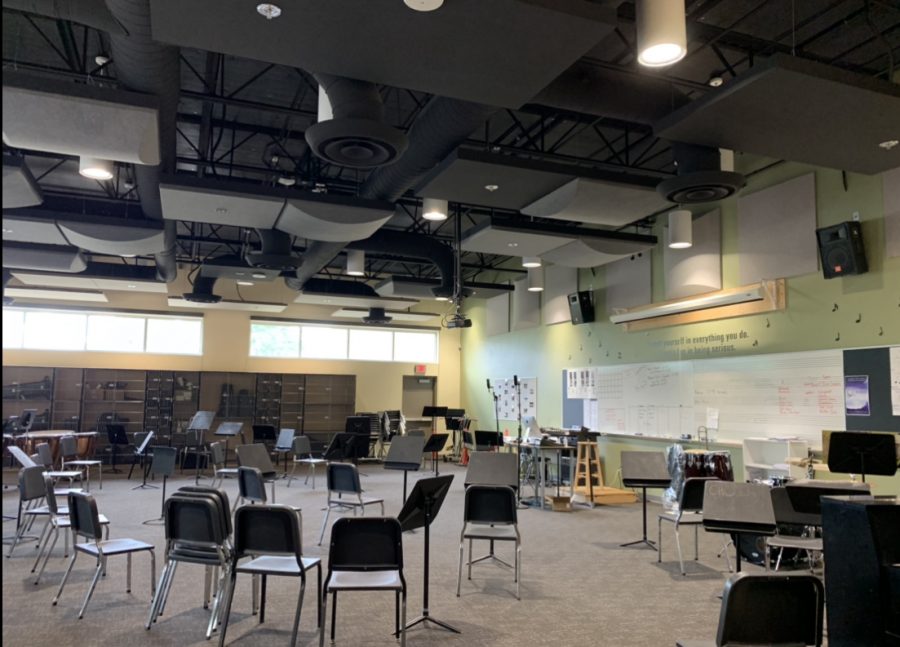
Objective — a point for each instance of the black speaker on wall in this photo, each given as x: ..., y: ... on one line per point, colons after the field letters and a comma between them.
x: 841, y: 249
x: 581, y: 307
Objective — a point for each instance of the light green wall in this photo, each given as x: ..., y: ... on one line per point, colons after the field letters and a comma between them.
x: 808, y: 323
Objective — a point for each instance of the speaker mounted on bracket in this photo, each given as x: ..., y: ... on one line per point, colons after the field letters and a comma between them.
x: 841, y: 250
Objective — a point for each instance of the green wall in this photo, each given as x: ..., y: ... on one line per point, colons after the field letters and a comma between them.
x: 810, y: 321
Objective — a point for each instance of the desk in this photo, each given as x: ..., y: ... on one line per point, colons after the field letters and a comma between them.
x: 539, y: 451
x: 85, y: 441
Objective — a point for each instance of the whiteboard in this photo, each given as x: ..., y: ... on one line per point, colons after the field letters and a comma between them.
x: 774, y: 395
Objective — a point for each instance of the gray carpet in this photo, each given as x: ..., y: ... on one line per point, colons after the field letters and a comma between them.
x: 578, y: 586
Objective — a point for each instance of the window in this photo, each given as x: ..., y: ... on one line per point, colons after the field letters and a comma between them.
x: 44, y: 329
x: 419, y: 347
x: 324, y: 342
x: 108, y: 332
x: 375, y: 345
x: 274, y: 341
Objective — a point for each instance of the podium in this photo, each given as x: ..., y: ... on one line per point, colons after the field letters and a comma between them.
x: 405, y: 454
x: 419, y: 511
x: 644, y: 470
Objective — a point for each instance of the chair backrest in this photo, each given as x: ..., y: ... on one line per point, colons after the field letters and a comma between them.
x: 255, y: 455
x: 164, y: 458
x: 196, y: 518
x: 343, y: 477
x: 302, y: 446
x: 692, y: 494
x: 193, y: 437
x: 492, y: 468
x: 83, y: 516
x: 68, y: 447
x: 50, y: 494
x: 45, y: 456
x: 217, y: 450
x: 366, y: 544
x: 251, y: 485
x: 267, y: 529
x: 490, y: 504
x: 285, y: 439
x: 772, y: 610
x: 215, y: 493
x: 31, y: 483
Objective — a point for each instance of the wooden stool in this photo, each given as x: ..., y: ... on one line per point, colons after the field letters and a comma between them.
x: 588, y: 479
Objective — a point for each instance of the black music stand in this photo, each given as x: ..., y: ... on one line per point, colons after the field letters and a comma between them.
x: 141, y: 453
x: 342, y: 447
x: 455, y: 421
x: 419, y: 511
x: 201, y: 422
x: 163, y: 464
x: 405, y: 454
x: 738, y: 508
x: 644, y: 470
x: 117, y: 437
x: 862, y: 453
x: 230, y: 430
x: 434, y: 445
x: 434, y: 413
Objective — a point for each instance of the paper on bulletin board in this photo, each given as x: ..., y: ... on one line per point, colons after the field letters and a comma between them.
x: 856, y: 395
x: 895, y: 380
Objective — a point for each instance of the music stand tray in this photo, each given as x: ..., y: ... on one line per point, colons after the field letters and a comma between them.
x: 419, y: 511
x: 341, y: 447
x: 862, y: 453
x: 405, y: 454
x: 738, y: 508
x: 644, y: 470
x: 433, y: 445
x: 115, y: 433
x: 201, y: 421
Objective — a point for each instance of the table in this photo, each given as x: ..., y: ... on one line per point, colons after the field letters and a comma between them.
x: 85, y: 441
x: 541, y: 481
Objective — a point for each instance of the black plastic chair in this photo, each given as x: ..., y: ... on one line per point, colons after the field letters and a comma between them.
x: 689, y: 513
x: 85, y: 522
x: 251, y: 485
x: 490, y: 514
x: 256, y: 455
x: 271, y: 536
x: 32, y: 492
x: 769, y: 609
x: 343, y: 478
x: 366, y: 554
x: 68, y: 450
x: 303, y: 455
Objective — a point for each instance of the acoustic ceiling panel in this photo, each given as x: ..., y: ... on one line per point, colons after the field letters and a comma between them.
x: 628, y: 283
x: 415, y: 288
x: 387, y: 43
x: 45, y: 114
x: 47, y: 258
x: 395, y: 315
x: 110, y: 237
x: 42, y: 294
x: 600, y: 202
x: 798, y: 110
x: 25, y: 229
x: 353, y: 301
x: 90, y: 282
x: 891, y: 192
x: 593, y: 252
x: 19, y: 187
x: 491, y: 238
x: 335, y: 219
x: 215, y: 203
x: 247, y: 306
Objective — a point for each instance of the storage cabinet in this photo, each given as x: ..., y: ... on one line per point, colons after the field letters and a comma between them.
x: 293, y: 401
x: 171, y: 400
x: 765, y: 458
x: 67, y: 395
x: 268, y: 400
x: 329, y: 400
x: 27, y: 388
x: 113, y: 396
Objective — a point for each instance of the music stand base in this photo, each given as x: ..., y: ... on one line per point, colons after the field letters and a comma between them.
x: 144, y: 486
x: 649, y: 543
x: 154, y: 522
x: 425, y: 618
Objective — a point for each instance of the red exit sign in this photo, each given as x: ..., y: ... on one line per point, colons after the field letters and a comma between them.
x: 419, y: 369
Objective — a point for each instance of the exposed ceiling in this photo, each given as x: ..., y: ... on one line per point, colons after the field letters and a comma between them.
x: 554, y: 114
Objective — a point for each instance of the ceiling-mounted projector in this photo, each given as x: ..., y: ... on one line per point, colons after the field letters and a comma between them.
x: 458, y: 321
x: 377, y: 316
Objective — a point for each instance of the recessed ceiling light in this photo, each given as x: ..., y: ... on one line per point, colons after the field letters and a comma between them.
x: 531, y: 261
x: 221, y: 210
x: 889, y: 144
x: 131, y: 286
x: 715, y: 81
x: 101, y: 59
x: 491, y: 187
x: 423, y: 5
x: 268, y: 10
x: 441, y: 298
x: 7, y: 231
x: 287, y: 180
x: 512, y: 244
x: 258, y: 275
x: 95, y: 168
x: 245, y: 282
x: 434, y: 209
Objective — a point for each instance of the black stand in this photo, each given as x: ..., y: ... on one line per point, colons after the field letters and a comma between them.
x: 738, y: 508
x: 518, y: 386
x: 141, y: 453
x: 405, y: 454
x: 419, y: 511
x: 200, y: 423
x: 434, y: 445
x: 163, y: 464
x: 644, y: 470
x: 643, y: 540
x: 861, y: 453
x: 117, y: 437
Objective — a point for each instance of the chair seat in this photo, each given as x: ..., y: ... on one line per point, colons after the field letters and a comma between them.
x: 365, y: 580
x: 804, y: 543
x: 44, y: 510
x: 350, y: 503
x: 310, y: 461
x: 63, y: 474
x: 227, y: 471
x: 115, y: 546
x: 277, y: 565
x: 87, y: 462
x: 485, y: 531
x: 64, y: 522
x: 687, y: 519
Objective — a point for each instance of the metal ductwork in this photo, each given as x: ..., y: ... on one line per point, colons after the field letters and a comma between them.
x: 351, y: 129
x: 202, y: 291
x: 143, y: 65
x: 274, y: 252
x: 700, y: 177
x: 93, y: 13
x: 376, y: 317
x: 441, y: 126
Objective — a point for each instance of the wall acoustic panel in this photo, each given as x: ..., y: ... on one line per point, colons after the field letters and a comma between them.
x: 777, y: 231
x: 497, y: 315
x: 698, y: 268
x: 628, y: 282
x: 891, y: 187
x: 559, y: 283
x: 526, y: 307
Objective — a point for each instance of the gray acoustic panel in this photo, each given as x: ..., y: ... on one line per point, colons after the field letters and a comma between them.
x: 416, y: 288
x: 217, y: 204
x: 109, y: 237
x: 777, y: 231
x: 237, y: 271
x: 594, y: 252
x: 353, y: 301
x: 559, y: 283
x: 628, y: 282
x: 600, y: 202
x: 46, y: 294
x: 891, y: 190
x: 796, y: 109
x: 47, y: 258
x: 496, y: 63
x: 82, y: 281
x: 19, y: 187
x: 25, y: 229
x: 497, y: 315
x: 698, y: 268
x: 492, y: 238
x: 396, y: 315
x: 526, y: 307
x: 224, y: 304
x: 335, y: 219
x: 46, y: 114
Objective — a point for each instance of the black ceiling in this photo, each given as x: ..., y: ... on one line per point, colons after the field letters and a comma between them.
x: 247, y: 93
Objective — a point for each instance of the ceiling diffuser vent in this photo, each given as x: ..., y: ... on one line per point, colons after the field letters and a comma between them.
x: 700, y: 178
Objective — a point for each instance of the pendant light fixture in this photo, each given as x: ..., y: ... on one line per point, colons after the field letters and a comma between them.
x: 661, y: 32
x: 95, y: 168
x: 535, y: 279
x: 680, y: 229
x: 356, y: 262
x: 434, y: 209
x: 531, y: 261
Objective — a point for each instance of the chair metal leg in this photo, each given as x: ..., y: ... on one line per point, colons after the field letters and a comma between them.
x: 470, y: 561
x: 128, y: 576
x: 333, y: 613
x: 678, y: 547
x: 518, y: 570
x: 65, y: 577
x: 42, y: 542
x: 459, y: 570
x: 323, y: 605
x: 299, y: 609
x: 229, y: 595
x: 87, y: 598
x: 262, y: 600
x: 403, y: 620
x: 658, y: 540
x: 47, y: 556
x: 324, y: 523
x: 696, y: 543
x: 154, y: 602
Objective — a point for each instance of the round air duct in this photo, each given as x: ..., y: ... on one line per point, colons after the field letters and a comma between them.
x: 274, y: 252
x: 203, y: 291
x: 377, y: 316
x: 700, y: 178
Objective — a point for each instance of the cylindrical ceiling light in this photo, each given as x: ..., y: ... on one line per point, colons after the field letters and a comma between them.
x: 661, y: 32
x: 95, y: 168
x: 531, y: 261
x: 434, y: 209
x: 356, y: 262
x: 535, y: 279
x: 680, y: 236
